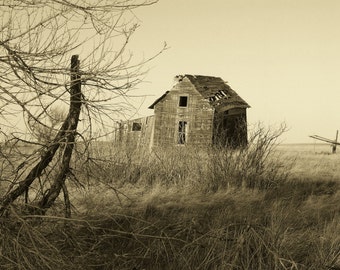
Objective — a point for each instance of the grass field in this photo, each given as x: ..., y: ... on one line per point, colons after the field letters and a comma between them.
x: 189, y: 210
x: 312, y: 161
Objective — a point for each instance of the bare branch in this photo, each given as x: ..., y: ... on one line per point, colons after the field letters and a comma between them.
x: 37, y: 39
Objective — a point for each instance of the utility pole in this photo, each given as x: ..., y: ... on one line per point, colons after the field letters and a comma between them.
x: 335, y: 144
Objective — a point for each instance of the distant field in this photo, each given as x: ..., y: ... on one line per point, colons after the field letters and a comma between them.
x: 312, y: 161
x: 318, y: 148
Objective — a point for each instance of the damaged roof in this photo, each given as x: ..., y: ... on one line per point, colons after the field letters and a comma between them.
x: 214, y: 89
x: 158, y: 100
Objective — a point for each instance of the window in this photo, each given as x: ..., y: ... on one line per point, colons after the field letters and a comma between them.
x: 136, y: 126
x: 183, y: 101
x: 182, y: 126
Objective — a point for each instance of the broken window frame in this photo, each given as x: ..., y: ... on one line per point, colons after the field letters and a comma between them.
x: 182, y: 130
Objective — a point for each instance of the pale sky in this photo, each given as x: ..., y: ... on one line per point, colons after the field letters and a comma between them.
x: 281, y: 56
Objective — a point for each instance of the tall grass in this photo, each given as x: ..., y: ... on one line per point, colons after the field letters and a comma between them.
x: 208, y: 169
x: 183, y: 208
x: 224, y: 230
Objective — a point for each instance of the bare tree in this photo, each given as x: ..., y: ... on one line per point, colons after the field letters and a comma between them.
x: 45, y: 133
x: 40, y: 70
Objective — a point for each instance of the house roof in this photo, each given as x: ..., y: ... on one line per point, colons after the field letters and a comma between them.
x: 158, y: 100
x: 217, y: 91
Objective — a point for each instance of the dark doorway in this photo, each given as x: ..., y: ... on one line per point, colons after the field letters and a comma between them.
x: 230, y: 129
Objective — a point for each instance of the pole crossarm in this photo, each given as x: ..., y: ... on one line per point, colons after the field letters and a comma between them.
x: 317, y: 137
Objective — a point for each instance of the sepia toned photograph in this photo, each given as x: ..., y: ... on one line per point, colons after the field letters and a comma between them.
x: 170, y: 134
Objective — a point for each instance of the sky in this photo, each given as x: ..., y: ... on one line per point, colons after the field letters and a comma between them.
x: 281, y: 56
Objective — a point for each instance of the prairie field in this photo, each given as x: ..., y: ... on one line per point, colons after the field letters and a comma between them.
x: 267, y: 207
x: 312, y: 161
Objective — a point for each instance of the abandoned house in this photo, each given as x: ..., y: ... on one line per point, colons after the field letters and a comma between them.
x: 198, y: 110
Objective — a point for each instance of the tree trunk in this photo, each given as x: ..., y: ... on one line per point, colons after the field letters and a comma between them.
x: 72, y: 119
x: 65, y: 135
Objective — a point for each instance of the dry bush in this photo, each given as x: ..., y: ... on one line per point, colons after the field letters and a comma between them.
x: 256, y: 165
x: 253, y: 166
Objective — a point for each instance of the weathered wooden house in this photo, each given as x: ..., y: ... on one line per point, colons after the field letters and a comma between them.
x: 198, y: 110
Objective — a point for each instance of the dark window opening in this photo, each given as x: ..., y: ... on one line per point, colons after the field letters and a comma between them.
x: 136, y: 126
x: 182, y: 125
x: 183, y: 101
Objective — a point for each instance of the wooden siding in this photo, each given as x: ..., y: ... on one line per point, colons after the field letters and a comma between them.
x: 198, y: 114
x: 127, y: 133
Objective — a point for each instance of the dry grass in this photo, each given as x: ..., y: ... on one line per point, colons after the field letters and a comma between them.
x: 188, y: 209
x: 313, y: 161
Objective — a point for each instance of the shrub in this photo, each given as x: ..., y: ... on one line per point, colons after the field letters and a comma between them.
x: 256, y: 165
